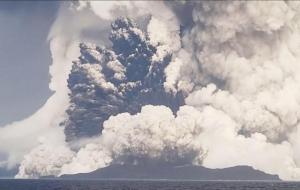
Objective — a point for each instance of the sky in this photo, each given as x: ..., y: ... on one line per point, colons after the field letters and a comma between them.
x: 25, y: 57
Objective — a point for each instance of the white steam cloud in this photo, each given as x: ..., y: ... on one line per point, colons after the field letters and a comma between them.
x: 237, y: 64
x: 245, y: 63
x: 134, y: 138
x: 18, y: 138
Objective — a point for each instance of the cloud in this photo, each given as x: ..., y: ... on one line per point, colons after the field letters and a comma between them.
x: 146, y: 136
x: 243, y: 62
x: 235, y: 64
x: 117, y: 75
x: 18, y: 138
x: 106, y: 82
x: 44, y: 160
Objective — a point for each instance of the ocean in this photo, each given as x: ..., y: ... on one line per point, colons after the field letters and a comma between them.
x: 12, y: 184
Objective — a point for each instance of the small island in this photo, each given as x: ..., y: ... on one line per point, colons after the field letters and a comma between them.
x: 173, y: 172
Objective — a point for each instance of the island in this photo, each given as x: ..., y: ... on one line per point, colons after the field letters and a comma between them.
x: 173, y: 172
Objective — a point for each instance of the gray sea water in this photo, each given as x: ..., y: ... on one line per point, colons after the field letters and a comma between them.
x: 9, y: 184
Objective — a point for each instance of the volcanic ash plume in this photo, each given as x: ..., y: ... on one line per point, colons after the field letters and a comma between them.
x: 244, y: 61
x: 45, y: 160
x: 235, y: 66
x: 106, y: 82
x: 142, y: 138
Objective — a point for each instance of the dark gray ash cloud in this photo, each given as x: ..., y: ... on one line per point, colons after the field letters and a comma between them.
x: 106, y: 82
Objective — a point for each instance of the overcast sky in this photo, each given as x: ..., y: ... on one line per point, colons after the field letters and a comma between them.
x: 25, y: 57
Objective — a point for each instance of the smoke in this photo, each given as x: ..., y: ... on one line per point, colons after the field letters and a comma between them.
x: 141, y: 138
x: 18, y: 138
x: 106, y: 82
x: 46, y: 159
x: 235, y: 64
x: 244, y: 62
x: 72, y: 26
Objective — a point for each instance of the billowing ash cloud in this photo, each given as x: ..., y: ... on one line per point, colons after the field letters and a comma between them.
x: 243, y: 60
x: 106, y: 82
x: 143, y: 138
x: 247, y: 52
x: 235, y: 65
x: 46, y: 159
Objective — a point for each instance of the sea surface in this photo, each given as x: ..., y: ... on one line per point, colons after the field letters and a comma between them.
x: 10, y: 184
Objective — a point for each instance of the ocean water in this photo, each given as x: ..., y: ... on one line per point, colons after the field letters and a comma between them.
x: 143, y: 185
